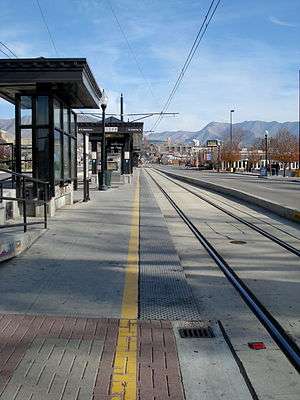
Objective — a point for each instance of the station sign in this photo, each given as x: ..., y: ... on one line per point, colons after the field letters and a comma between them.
x: 212, y: 143
x: 111, y: 129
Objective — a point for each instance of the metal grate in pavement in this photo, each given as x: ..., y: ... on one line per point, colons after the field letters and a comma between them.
x: 164, y: 291
x: 196, y: 333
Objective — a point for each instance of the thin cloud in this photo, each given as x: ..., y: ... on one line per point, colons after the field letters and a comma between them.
x: 280, y: 22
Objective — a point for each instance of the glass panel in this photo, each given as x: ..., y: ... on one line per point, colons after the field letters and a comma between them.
x: 57, y: 114
x: 73, y: 158
x: 57, y: 156
x: 26, y: 136
x: 26, y: 158
x: 26, y: 150
x: 66, y: 120
x: 73, y: 126
x: 26, y: 110
x: 42, y: 153
x: 66, y: 157
x: 42, y: 111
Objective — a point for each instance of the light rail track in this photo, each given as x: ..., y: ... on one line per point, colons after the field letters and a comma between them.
x: 287, y: 345
x: 256, y: 228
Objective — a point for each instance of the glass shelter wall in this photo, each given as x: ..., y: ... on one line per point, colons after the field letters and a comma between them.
x: 45, y: 139
x: 65, y: 136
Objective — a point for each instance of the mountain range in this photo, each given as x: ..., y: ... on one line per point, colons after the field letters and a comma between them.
x: 214, y: 130
x: 219, y: 130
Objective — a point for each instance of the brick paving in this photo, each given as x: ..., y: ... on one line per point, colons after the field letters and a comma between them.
x: 68, y: 358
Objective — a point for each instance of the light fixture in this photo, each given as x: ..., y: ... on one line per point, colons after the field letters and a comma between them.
x: 104, y: 99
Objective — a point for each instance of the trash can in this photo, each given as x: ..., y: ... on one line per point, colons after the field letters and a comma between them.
x: 108, y: 178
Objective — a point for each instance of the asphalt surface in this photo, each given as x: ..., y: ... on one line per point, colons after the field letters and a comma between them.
x: 278, y: 190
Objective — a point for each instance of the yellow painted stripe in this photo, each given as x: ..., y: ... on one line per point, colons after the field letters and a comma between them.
x: 125, y: 366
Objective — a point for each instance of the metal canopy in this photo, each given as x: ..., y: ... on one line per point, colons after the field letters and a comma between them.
x: 69, y: 78
x: 115, y: 129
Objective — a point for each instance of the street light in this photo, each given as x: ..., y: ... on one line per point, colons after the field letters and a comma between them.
x: 231, y: 137
x: 266, y: 149
x: 299, y: 129
x: 103, y: 103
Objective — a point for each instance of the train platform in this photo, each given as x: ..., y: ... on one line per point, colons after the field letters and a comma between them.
x: 104, y: 306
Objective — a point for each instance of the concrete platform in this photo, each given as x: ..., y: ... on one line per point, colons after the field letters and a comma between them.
x: 14, y: 242
x: 93, y: 310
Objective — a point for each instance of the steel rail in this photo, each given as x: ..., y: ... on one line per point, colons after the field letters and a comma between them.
x: 280, y: 242
x: 287, y: 345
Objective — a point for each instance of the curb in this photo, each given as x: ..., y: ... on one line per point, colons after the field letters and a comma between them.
x: 278, y: 209
x: 12, y: 245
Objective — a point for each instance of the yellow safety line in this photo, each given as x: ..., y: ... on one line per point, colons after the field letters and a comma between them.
x: 124, y: 377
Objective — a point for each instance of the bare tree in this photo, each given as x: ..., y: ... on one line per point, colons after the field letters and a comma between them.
x: 255, y: 152
x: 230, y: 152
x: 283, y: 148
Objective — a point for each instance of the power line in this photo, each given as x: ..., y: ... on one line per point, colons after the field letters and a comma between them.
x: 47, y: 27
x: 131, y: 49
x: 207, y: 19
x: 10, y: 50
x: 189, y: 58
x: 7, y: 55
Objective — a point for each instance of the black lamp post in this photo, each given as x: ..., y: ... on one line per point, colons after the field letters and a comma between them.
x: 231, y: 136
x: 299, y: 129
x: 266, y: 149
x: 102, y: 184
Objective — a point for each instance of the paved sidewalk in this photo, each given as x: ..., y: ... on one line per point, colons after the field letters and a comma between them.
x: 63, y: 335
x: 92, y: 311
x: 77, y: 267
x: 57, y: 358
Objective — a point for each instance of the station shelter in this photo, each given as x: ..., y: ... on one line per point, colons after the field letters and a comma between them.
x: 45, y: 91
x: 123, y: 143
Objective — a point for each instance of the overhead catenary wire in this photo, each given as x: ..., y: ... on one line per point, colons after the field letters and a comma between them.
x: 207, y: 20
x: 47, y: 28
x: 148, y: 84
x: 3, y: 52
x: 9, y: 49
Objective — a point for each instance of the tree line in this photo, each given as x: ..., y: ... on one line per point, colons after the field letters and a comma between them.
x: 282, y: 148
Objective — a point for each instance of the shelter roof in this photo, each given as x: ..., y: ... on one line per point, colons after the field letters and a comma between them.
x: 69, y: 78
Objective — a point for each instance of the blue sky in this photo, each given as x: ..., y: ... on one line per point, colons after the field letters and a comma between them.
x: 248, y: 60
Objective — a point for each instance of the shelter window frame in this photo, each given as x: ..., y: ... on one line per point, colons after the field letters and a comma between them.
x: 68, y: 142
x: 58, y: 154
x: 26, y: 149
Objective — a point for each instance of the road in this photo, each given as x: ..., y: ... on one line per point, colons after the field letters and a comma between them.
x: 280, y: 191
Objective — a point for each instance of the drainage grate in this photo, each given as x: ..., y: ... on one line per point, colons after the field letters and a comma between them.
x: 238, y: 242
x: 192, y: 333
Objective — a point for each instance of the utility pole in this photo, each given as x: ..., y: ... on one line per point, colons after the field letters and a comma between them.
x: 266, y: 149
x: 218, y: 168
x: 231, y: 138
x: 231, y: 135
x: 102, y: 183
x: 299, y: 128
x: 121, y: 108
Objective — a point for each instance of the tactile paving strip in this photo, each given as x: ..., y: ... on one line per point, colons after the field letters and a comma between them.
x: 57, y: 358
x: 164, y: 291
